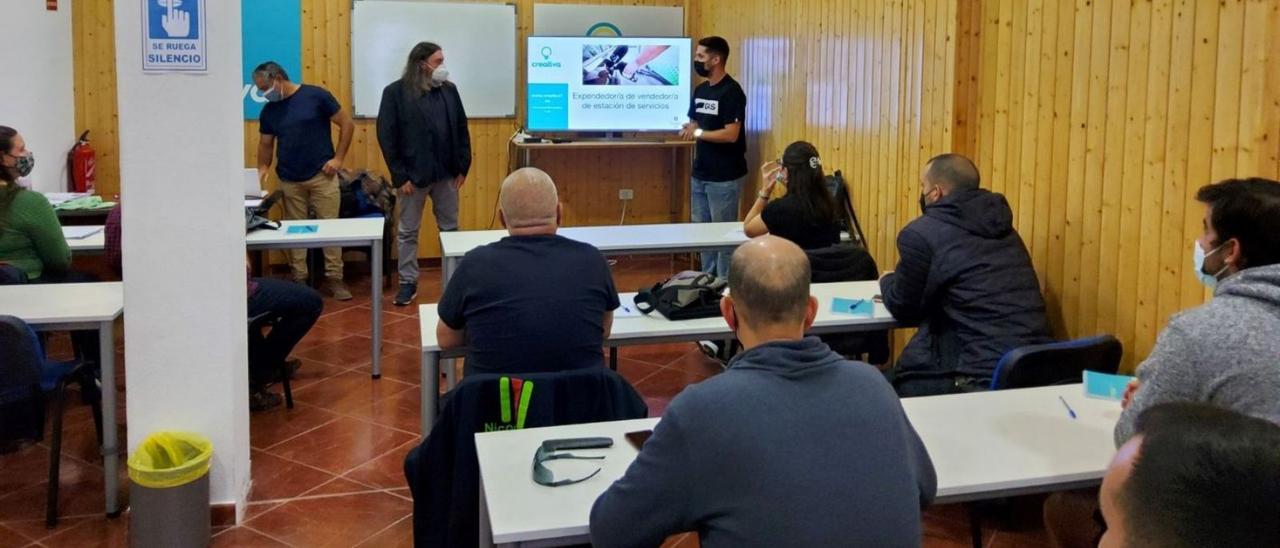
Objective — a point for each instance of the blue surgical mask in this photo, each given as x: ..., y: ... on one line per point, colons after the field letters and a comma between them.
x: 1198, y: 257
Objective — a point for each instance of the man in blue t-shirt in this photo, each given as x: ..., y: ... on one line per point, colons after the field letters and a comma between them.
x: 298, y: 116
x: 532, y: 302
x: 716, y: 121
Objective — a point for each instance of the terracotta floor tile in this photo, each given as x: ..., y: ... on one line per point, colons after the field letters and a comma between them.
x: 385, y: 472
x: 92, y: 533
x: 635, y: 370
x: 10, y: 538
x: 405, y: 331
x: 656, y: 405
x: 354, y: 321
x: 339, y: 486
x: 243, y: 537
x: 347, y: 352
x: 341, y: 521
x: 35, y: 529
x: 399, y: 535
x: 660, y: 354
x: 277, y: 478
x: 401, y: 492
x: 23, y: 468
x: 1027, y: 539
x: 309, y: 373
x: 255, y: 509
x: 341, y: 445
x: 80, y: 492
x: 667, y: 382
x: 697, y: 362
x: 270, y: 427
x: 352, y: 392
x: 402, y: 411
x: 401, y: 364
x: 944, y: 533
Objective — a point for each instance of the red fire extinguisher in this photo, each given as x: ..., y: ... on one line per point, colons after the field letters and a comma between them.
x: 81, y: 164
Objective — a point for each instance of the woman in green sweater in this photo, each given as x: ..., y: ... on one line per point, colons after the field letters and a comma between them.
x: 30, y: 236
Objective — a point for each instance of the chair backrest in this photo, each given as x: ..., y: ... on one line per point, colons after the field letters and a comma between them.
x: 20, y: 359
x: 443, y: 473
x: 1056, y: 363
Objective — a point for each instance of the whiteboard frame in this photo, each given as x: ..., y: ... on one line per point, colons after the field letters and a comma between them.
x: 515, y: 86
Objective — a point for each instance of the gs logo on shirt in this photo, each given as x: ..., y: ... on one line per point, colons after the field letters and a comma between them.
x: 706, y: 106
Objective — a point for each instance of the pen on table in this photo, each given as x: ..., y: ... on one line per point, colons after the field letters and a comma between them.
x: 856, y: 303
x: 1070, y: 411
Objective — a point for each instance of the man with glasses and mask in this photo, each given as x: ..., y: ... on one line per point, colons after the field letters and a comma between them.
x: 1224, y: 353
x: 298, y: 116
x: 964, y: 277
x: 792, y: 445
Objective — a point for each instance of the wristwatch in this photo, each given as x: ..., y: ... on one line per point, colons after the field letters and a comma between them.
x: 697, y: 133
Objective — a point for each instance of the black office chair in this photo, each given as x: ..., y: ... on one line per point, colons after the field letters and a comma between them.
x: 26, y: 377
x: 256, y: 326
x: 1056, y: 363
x: 1047, y: 365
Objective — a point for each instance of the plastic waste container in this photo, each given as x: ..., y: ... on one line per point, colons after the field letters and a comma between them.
x: 169, y: 498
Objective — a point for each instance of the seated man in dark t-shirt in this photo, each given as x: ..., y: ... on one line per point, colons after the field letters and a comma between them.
x: 534, y: 301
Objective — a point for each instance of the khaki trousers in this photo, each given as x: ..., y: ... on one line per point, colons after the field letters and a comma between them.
x: 320, y: 193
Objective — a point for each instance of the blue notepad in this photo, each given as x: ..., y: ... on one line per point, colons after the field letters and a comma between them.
x: 303, y: 229
x: 854, y: 307
x: 1105, y: 387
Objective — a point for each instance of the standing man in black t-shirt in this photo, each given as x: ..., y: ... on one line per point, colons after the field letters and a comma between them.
x: 716, y: 120
x: 422, y: 130
x: 298, y: 116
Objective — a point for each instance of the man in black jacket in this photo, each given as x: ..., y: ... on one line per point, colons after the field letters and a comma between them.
x: 422, y: 130
x: 965, y: 278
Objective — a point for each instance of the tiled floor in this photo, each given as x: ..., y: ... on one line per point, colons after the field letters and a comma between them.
x: 328, y: 472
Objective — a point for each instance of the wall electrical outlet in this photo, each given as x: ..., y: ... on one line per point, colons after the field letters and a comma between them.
x: 626, y: 194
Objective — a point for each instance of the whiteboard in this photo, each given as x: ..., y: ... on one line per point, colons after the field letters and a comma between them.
x: 479, y: 42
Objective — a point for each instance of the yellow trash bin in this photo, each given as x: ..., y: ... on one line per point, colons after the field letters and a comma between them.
x: 169, y: 498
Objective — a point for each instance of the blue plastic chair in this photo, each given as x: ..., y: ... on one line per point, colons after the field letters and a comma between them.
x: 1056, y: 363
x: 26, y: 379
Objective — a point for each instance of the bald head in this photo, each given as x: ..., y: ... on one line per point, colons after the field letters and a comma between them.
x: 769, y: 282
x: 528, y: 199
x: 952, y: 172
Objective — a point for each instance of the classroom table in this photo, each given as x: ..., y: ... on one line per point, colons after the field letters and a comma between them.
x: 633, y: 328
x: 983, y: 445
x: 610, y: 240
x: 359, y: 232
x: 75, y: 307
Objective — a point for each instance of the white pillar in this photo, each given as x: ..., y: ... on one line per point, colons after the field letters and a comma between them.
x: 181, y: 156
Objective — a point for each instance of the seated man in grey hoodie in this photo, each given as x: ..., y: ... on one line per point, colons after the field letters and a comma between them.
x: 1224, y: 353
x: 791, y: 446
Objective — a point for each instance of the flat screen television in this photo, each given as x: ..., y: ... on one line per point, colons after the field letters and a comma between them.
x: 591, y: 83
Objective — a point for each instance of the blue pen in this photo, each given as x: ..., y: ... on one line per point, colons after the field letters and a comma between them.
x: 856, y: 304
x: 1070, y: 411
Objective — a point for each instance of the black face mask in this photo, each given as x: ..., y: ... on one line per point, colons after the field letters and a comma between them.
x: 922, y: 203
x: 700, y: 67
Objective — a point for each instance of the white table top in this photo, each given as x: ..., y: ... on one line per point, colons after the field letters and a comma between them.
x: 39, y: 304
x: 615, y: 238
x: 328, y: 231
x: 982, y: 443
x: 633, y: 327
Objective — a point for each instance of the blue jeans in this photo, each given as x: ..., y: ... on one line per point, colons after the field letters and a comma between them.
x: 715, y: 202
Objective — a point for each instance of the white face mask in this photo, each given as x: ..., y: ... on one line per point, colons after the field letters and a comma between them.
x: 440, y: 75
x: 1198, y: 257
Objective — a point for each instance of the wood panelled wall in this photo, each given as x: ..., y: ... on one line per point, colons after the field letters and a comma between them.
x: 588, y: 181
x: 1099, y: 120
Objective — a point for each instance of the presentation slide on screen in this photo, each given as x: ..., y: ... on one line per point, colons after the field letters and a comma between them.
x: 608, y: 83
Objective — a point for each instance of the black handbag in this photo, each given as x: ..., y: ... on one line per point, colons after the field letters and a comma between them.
x: 256, y: 217
x: 686, y: 296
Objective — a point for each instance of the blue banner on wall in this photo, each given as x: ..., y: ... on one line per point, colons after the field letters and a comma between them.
x: 272, y: 32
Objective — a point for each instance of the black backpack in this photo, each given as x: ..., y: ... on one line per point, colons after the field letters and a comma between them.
x: 685, y: 296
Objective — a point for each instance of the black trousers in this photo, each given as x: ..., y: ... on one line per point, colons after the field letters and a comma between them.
x: 297, y: 307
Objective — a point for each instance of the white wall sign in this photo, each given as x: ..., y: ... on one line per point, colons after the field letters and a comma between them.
x: 588, y: 20
x: 173, y: 36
